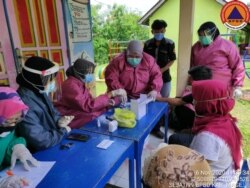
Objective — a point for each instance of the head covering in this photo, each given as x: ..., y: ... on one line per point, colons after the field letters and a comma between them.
x: 80, y: 68
x: 37, y: 72
x: 135, y: 46
x: 200, y: 72
x: 10, y: 104
x: 210, y: 28
x: 213, y: 105
x: 176, y: 166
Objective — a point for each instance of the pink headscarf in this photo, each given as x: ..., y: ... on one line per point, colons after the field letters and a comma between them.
x: 213, y: 105
x: 10, y: 104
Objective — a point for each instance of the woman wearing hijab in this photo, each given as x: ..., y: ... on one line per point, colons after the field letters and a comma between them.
x: 217, y: 136
x: 43, y: 126
x: 137, y: 73
x: 76, y: 99
x: 12, y: 147
x: 220, y: 55
x: 12, y: 111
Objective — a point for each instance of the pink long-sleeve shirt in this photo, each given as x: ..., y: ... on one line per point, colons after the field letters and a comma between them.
x: 223, y: 57
x: 77, y: 101
x: 144, y: 78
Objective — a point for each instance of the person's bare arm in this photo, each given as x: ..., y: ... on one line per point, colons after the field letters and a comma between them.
x: 171, y: 101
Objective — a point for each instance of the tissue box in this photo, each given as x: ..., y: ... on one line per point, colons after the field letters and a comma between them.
x: 139, y: 106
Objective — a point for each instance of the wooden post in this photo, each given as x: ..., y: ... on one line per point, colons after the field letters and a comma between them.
x: 185, y: 43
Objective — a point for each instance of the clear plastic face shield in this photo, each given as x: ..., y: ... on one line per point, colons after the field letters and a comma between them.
x: 207, y: 36
x: 49, y: 79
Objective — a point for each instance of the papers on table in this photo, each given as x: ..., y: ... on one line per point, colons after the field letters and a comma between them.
x: 105, y: 144
x: 34, y: 176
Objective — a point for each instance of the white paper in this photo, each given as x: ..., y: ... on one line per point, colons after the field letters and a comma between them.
x: 34, y: 176
x: 104, y: 144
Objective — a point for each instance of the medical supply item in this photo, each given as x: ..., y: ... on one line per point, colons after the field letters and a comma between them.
x: 125, y: 118
x: 139, y: 106
x: 113, y: 126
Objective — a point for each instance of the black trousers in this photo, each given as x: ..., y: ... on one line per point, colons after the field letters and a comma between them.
x: 183, y: 139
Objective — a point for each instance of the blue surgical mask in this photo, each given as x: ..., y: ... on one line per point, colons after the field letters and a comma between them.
x: 205, y: 40
x: 89, y: 78
x: 51, y: 87
x: 159, y: 36
x: 134, y: 61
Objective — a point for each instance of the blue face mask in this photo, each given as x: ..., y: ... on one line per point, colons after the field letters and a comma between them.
x: 134, y: 61
x: 89, y: 78
x: 159, y: 36
x: 51, y: 87
x: 205, y: 40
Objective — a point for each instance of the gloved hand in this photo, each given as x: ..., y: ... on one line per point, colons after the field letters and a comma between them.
x: 237, y: 93
x: 121, y: 93
x: 13, y: 182
x: 64, y: 121
x: 152, y: 94
x: 22, y: 153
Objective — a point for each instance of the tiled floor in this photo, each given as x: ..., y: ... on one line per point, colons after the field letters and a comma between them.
x: 120, y: 178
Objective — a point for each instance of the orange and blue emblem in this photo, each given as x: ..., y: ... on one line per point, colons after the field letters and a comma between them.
x: 235, y: 15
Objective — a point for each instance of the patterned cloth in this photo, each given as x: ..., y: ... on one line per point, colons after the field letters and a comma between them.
x: 176, y: 166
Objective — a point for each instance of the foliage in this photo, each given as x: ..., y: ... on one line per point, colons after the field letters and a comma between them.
x: 116, y: 23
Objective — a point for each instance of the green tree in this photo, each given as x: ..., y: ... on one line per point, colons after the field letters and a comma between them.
x: 117, y: 23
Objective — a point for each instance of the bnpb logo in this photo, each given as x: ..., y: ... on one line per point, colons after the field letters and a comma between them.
x: 235, y: 15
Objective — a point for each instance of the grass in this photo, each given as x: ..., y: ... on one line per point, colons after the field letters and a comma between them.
x: 241, y: 110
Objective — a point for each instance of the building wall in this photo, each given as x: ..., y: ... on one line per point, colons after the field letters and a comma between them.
x: 205, y: 10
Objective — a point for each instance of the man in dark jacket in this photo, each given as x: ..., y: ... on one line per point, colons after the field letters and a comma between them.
x: 42, y: 126
x: 163, y: 50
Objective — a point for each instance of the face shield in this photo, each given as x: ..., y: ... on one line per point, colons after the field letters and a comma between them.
x: 46, y: 81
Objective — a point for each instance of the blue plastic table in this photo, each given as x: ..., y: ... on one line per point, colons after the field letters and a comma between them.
x: 85, y: 165
x: 138, y: 134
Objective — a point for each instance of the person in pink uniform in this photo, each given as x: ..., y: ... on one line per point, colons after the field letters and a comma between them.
x: 137, y: 73
x: 217, y: 136
x: 76, y: 99
x: 221, y: 56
